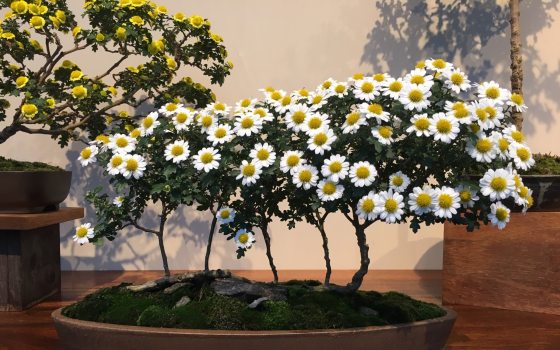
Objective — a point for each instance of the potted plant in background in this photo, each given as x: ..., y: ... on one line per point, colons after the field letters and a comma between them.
x: 374, y: 148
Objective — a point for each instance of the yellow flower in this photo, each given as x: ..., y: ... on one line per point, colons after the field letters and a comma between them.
x: 133, y: 69
x: 102, y: 138
x: 99, y: 37
x: 29, y: 110
x: 161, y: 10
x: 21, y: 82
x: 37, y: 9
x: 68, y: 64
x: 421, y: 64
x: 79, y: 92
x: 216, y: 37
x: 171, y: 64
x: 8, y: 35
x: 19, y: 7
x: 55, y: 21
x: 76, y: 30
x: 196, y: 21
x: 137, y: 21
x: 76, y: 75
x: 50, y: 102
x: 36, y: 44
x: 230, y: 64
x: 156, y: 46
x: 37, y: 22
x: 61, y: 15
x: 121, y: 33
x: 138, y: 3
x: 123, y: 114
x: 179, y: 17
x: 124, y: 3
x: 112, y: 90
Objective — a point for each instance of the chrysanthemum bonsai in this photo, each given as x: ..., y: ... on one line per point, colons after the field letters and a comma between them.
x: 372, y: 148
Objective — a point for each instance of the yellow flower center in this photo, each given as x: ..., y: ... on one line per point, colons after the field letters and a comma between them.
x: 315, y: 123
x: 415, y: 95
x: 368, y: 205
x: 445, y: 201
x: 362, y: 172
x: 422, y: 124
x: 439, y: 63
x: 305, y: 175
x: 292, y: 160
x: 243, y: 238
x: 391, y: 205
x: 171, y: 107
x: 206, y: 121
x: 492, y: 112
x: 220, y: 106
x: 395, y: 86
x: 224, y: 214
x: 524, y: 191
x: 147, y: 122
x: 245, y: 103
x: 286, y: 100
x: 523, y: 154
x: 385, y: 132
x: 298, y: 117
x: 352, y: 118
x: 177, y: 150
x: 121, y: 142
x: 263, y: 154
x: 498, y: 184
x: 249, y: 170
x: 503, y: 144
x: 303, y: 92
x: 375, y: 108
x: 460, y: 113
x: 81, y: 232
x: 317, y: 99
x: 358, y: 76
x: 326, y: 84
x: 247, y: 123
x: 424, y: 200
x: 465, y: 196
x: 220, y: 133
x: 367, y: 87
x: 443, y: 126
x: 517, y: 99
x: 517, y: 181
x: 417, y: 79
x: 276, y: 96
x: 483, y: 145
x: 517, y: 136
x: 181, y: 117
x: 260, y: 112
x: 397, y: 181
x: 131, y: 164
x: 339, y: 89
x: 335, y: 167
x: 502, y: 214
x: 85, y: 153
x: 329, y: 188
x: 206, y: 158
x: 379, y: 77
x: 116, y: 161
x: 493, y: 92
x: 456, y: 78
x: 320, y: 139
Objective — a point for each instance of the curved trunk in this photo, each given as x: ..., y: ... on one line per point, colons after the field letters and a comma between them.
x: 264, y: 229
x: 8, y: 132
x: 321, y: 228
x: 516, y: 58
x: 163, y: 255
x: 209, y: 246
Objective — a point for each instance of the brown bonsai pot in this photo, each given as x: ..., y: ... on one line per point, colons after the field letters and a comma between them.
x: 84, y: 335
x: 546, y: 191
x: 33, y: 191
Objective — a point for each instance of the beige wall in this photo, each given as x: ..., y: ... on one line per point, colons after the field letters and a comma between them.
x: 290, y: 44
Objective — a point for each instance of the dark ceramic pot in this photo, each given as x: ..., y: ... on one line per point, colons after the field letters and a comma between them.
x: 33, y: 191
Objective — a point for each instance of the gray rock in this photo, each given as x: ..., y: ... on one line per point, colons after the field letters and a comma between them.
x: 174, y: 287
x: 255, y: 304
x: 366, y: 311
x: 150, y: 285
x: 183, y: 301
x: 247, y: 290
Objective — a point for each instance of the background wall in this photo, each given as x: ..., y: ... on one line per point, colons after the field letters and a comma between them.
x: 291, y: 44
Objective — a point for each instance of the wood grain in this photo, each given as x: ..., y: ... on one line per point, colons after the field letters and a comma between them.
x: 517, y: 268
x: 31, y: 221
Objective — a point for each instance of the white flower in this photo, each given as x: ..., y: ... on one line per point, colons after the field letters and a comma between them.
x: 182, y: 118
x: 484, y: 150
x: 352, y: 122
x: 249, y: 173
x: 318, y: 99
x: 366, y: 89
x: 497, y: 184
x: 495, y: 113
x: 339, y: 89
x: 492, y: 91
x: 321, y: 141
x: 247, y: 124
x: 438, y: 65
x: 121, y: 143
x: 284, y: 104
x: 263, y: 155
x: 207, y: 159
x: 149, y: 123
x: 326, y: 85
x: 374, y: 110
x: 513, y: 135
x: 335, y: 168
x: 300, y: 95
x: 225, y: 215
x: 244, y: 239
x: 369, y: 206
x: 419, y: 78
x: 502, y: 145
x: 118, y: 201
x: 220, y: 134
x: 391, y: 206
x: 290, y: 160
x: 315, y: 123
x: 467, y: 195
x: 420, y: 125
x: 499, y: 215
x: 177, y: 151
x: 422, y: 200
x: 516, y: 101
x: 383, y: 134
x: 169, y: 109
x: 480, y: 111
x: 206, y: 121
x: 133, y: 165
x: 88, y: 155
x: 263, y: 114
x: 398, y: 181
x: 459, y: 110
x: 415, y: 97
x: 328, y: 190
x: 447, y: 202
x: 305, y: 176
x: 456, y: 80
x: 393, y: 87
x: 362, y: 174
x: 245, y: 105
x: 219, y: 108
x: 274, y: 97
x: 443, y: 128
x: 115, y: 164
x: 83, y: 233
x: 521, y: 156
x: 296, y: 116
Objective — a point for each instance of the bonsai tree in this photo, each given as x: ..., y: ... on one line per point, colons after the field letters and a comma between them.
x: 54, y: 96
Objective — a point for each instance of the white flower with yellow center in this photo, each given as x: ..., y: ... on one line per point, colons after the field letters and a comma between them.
x: 422, y: 200
x: 263, y: 155
x: 352, y: 122
x: 399, y: 181
x: 247, y: 124
x: 225, y: 215
x: 326, y: 85
x: 263, y: 114
x: 244, y: 239
x: 447, y: 202
x: 369, y: 206
x: 481, y: 112
x: 149, y: 123
x: 220, y: 134
x: 83, y: 233
x: 443, y: 128
x: 513, y: 135
x: 335, y: 168
x: 182, y: 118
x: 88, y: 155
x: 522, y: 156
x: 467, y: 195
x: 459, y: 110
x: 366, y: 89
x: 374, y: 110
x: 169, y: 109
x: 207, y: 159
x: 300, y: 95
x: 218, y: 108
x: 362, y: 174
x: 381, y: 78
x: 456, y: 80
x: 115, y: 164
x: 383, y: 134
x: 497, y: 184
x: 391, y: 206
x: 274, y: 97
x: 245, y: 105
x: 328, y: 190
x: 291, y: 160
x: 523, y: 197
x: 177, y: 151
x: 118, y: 201
x: 415, y: 97
x: 483, y: 149
x: 317, y: 99
x: 492, y: 91
x: 206, y: 121
x: 420, y: 125
x: 133, y: 165
x: 321, y: 141
x: 393, y: 87
x: 284, y: 104
x: 502, y: 145
x: 339, y: 89
x: 438, y: 65
x: 516, y: 101
x: 499, y: 215
x: 495, y: 113
x: 295, y: 118
x: 315, y: 123
x: 121, y: 143
x: 249, y: 173
x: 305, y: 176
x: 419, y: 78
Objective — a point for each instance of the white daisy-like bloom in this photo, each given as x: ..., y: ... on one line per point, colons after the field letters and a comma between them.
x: 415, y: 97
x: 362, y: 174
x: 220, y: 134
x: 495, y: 113
x: 315, y: 123
x: 284, y: 104
x: 274, y: 97
x: 118, y: 201
x: 88, y: 155
x: 300, y: 95
x: 326, y: 85
x: 383, y: 134
x: 438, y: 65
x: 420, y: 125
x: 502, y: 145
x: 513, y: 135
x: 381, y: 78
x: 245, y: 105
x: 516, y: 101
x: 422, y: 200
x: 392, y: 206
x: 207, y: 159
x: 456, y: 80
x: 133, y: 165
x: 497, y: 184
x: 321, y: 141
x: 374, y: 110
x: 149, y: 123
x: 249, y: 173
x: 121, y: 143
x: 296, y: 116
x: 352, y: 122
x: 399, y: 181
x: 335, y: 168
x: 291, y: 160
x: 219, y: 108
x: 339, y: 89
x: 369, y: 207
x: 115, y: 164
x: 328, y: 190
x: 177, y: 151
x: 499, y: 215
x: 366, y: 89
x: 483, y: 150
x: 523, y: 197
x: 459, y: 110
x: 244, y: 239
x: 263, y: 114
x: 480, y: 111
x: 263, y: 155
x: 522, y: 156
x: 443, y: 128
x: 225, y: 215
x: 305, y: 176
x: 492, y: 91
x: 83, y: 233
x: 207, y: 121
x: 169, y: 109
x: 182, y: 118
x: 467, y: 195
x: 447, y: 202
x: 247, y: 124
x: 318, y: 99
x: 419, y: 78
x: 393, y: 87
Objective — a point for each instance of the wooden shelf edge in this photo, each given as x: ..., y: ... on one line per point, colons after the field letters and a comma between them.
x: 32, y: 221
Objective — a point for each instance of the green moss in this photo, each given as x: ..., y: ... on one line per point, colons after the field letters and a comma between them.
x: 545, y: 164
x: 15, y: 165
x: 157, y: 316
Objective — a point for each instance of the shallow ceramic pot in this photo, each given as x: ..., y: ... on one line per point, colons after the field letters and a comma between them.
x: 33, y: 191
x: 84, y: 335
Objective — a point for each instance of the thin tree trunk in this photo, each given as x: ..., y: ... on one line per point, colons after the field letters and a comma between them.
x: 209, y: 245
x: 321, y: 227
x: 8, y: 132
x: 264, y: 229
x: 516, y: 58
x: 358, y: 277
x: 162, y: 221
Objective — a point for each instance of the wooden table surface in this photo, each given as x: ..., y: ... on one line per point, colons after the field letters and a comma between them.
x: 476, y: 327
x: 36, y: 220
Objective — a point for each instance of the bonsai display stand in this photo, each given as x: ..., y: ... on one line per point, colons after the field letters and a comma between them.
x: 30, y: 256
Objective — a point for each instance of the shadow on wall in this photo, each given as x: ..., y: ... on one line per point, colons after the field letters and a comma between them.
x: 473, y: 34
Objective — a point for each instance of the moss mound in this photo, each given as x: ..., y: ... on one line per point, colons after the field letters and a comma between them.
x: 307, y: 306
x: 545, y: 164
x: 16, y: 165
